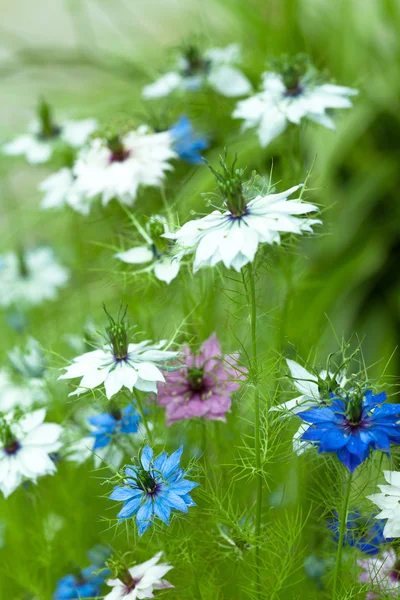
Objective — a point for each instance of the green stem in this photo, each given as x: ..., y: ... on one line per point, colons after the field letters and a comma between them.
x: 342, y: 531
x: 142, y: 412
x: 257, y: 429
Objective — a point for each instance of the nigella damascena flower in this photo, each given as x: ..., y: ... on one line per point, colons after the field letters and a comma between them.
x: 233, y: 236
x: 352, y: 426
x: 62, y: 189
x: 157, y: 254
x: 139, y: 582
x: 383, y: 575
x: 363, y: 533
x: 44, y: 133
x: 85, y: 583
x: 313, y: 389
x: 203, y: 386
x: 153, y: 488
x: 187, y: 143
x: 23, y: 384
x: 120, y: 364
x: 116, y: 167
x: 389, y: 503
x: 30, y: 277
x: 25, y: 445
x: 215, y: 68
x: 288, y: 96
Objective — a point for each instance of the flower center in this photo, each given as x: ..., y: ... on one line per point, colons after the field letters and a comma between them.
x: 160, y: 245
x: 354, y: 409
x: 48, y: 129
x: 118, y: 151
x: 196, y: 379
x: 147, y: 482
x: 230, y: 183
x: 117, y: 336
x: 12, y: 447
x: 195, y: 62
x: 22, y: 266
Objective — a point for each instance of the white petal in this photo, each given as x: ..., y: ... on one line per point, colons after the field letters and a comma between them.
x: 303, y: 380
x: 167, y: 268
x: 135, y: 256
x: 229, y: 81
x: 149, y: 372
x: 163, y: 86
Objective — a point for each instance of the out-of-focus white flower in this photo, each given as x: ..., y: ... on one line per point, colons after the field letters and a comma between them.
x: 31, y: 277
x: 140, y: 581
x: 37, y: 145
x: 382, y: 574
x: 194, y: 70
x: 117, y: 167
x: 157, y: 253
x: 233, y: 237
x: 389, y: 503
x: 288, y: 97
x: 61, y: 189
x: 310, y: 396
x: 29, y: 360
x: 24, y: 393
x: 25, y: 447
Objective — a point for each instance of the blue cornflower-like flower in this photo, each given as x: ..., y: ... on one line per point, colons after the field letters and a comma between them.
x: 352, y: 426
x: 187, y: 143
x: 154, y: 488
x: 86, y: 584
x: 111, y: 424
x: 364, y: 533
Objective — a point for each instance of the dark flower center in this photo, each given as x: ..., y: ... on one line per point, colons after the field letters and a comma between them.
x: 118, y: 151
x: 12, y: 447
x: 293, y: 91
x: 48, y: 129
x: 196, y: 63
x: 147, y: 482
x: 196, y: 379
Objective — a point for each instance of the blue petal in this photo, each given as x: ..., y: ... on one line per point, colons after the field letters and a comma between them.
x: 182, y: 487
x: 146, y: 457
x: 129, y: 508
x: 131, y: 471
x: 188, y: 500
x: 312, y: 434
x: 356, y: 444
x: 333, y: 439
x: 124, y: 493
x: 143, y: 526
x: 351, y: 461
x: 175, y: 501
x: 172, y: 463
x: 323, y: 414
x: 162, y: 510
x: 145, y: 514
x: 160, y: 460
x: 103, y: 420
x: 102, y: 440
x: 384, y: 411
x: 380, y: 439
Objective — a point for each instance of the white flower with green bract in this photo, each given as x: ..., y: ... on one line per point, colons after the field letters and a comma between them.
x: 138, y: 582
x: 117, y: 166
x: 120, y: 364
x: 28, y: 278
x: 25, y: 448
x: 44, y: 134
x: 291, y: 94
x: 215, y: 67
x: 233, y: 236
x: 158, y: 253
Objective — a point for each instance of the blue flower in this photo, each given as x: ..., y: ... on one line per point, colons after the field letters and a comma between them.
x: 86, y: 584
x: 154, y: 488
x: 187, y: 144
x: 352, y: 426
x: 111, y: 424
x: 364, y: 533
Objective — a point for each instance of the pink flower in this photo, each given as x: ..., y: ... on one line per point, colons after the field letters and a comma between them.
x: 383, y: 574
x: 203, y: 387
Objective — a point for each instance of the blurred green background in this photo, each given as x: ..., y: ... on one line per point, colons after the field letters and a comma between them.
x: 92, y: 58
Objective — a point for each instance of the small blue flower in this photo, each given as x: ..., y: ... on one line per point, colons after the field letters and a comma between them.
x: 111, y: 424
x: 364, y: 533
x: 86, y: 584
x: 352, y: 426
x: 154, y: 488
x: 187, y: 144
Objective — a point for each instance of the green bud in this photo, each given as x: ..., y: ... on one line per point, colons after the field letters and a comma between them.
x: 47, y: 126
x: 117, y: 336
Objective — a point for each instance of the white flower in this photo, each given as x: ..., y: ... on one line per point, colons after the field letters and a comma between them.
x: 25, y: 449
x: 137, y: 369
x: 214, y: 68
x: 29, y: 360
x: 39, y: 149
x: 146, y: 578
x: 31, y: 277
x: 307, y: 384
x: 62, y: 189
x: 275, y: 106
x: 160, y: 257
x: 23, y: 394
x: 389, y: 503
x: 233, y: 240
x: 117, y: 168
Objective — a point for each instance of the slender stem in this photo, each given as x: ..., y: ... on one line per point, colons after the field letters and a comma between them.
x: 342, y: 531
x: 142, y: 412
x: 257, y: 429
